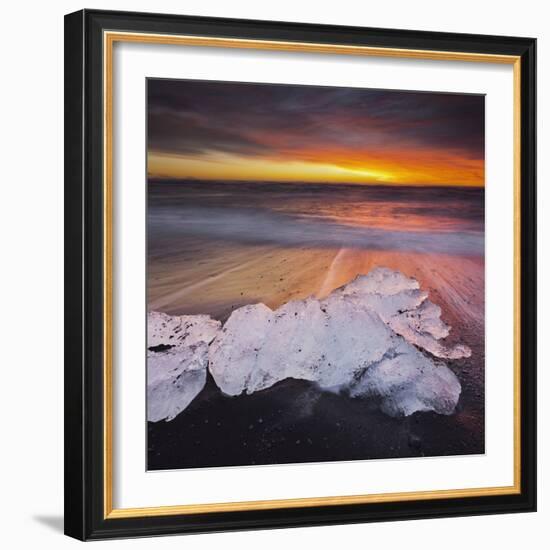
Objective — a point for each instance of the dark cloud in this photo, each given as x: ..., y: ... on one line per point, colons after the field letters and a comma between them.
x: 192, y: 117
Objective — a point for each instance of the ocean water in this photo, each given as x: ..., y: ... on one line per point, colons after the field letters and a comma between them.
x: 418, y: 219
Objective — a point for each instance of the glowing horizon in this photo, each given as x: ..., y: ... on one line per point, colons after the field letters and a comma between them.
x: 245, y: 132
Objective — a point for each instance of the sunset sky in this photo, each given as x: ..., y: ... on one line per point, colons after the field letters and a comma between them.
x: 234, y: 131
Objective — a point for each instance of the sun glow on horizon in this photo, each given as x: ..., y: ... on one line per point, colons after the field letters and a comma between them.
x: 222, y: 166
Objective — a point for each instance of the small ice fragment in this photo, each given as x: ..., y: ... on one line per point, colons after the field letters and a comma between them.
x: 177, y: 359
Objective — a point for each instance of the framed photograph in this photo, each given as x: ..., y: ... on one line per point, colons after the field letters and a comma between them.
x: 300, y: 274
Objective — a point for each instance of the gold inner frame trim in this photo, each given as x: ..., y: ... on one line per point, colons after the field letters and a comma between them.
x: 109, y: 39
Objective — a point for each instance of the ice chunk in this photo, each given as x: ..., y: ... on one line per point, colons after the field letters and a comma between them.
x: 328, y: 342
x: 359, y: 339
x: 180, y: 331
x: 242, y: 336
x: 382, y: 281
x: 177, y: 358
x: 174, y: 379
x: 401, y: 304
x: 424, y: 328
x: 406, y: 381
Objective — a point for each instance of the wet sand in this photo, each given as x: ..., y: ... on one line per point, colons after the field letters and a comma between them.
x: 225, y: 279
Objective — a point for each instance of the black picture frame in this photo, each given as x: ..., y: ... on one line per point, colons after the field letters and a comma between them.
x: 85, y: 497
